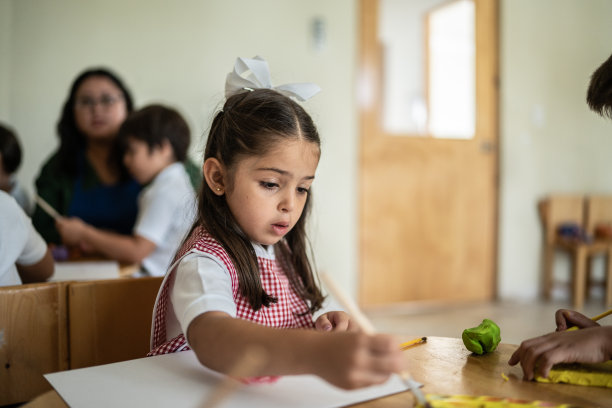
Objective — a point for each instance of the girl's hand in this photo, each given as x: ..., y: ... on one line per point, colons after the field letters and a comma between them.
x: 352, y: 360
x: 335, y: 321
x: 567, y: 318
x: 71, y: 230
x: 538, y: 355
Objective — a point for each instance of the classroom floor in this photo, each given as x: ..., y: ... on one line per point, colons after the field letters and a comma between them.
x: 517, y: 321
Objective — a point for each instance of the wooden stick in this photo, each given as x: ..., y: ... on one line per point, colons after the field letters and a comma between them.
x: 353, y: 310
x: 247, y: 365
x: 46, y: 207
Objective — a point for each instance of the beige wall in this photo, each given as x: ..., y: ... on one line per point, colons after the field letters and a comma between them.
x: 179, y: 53
x: 5, y: 50
x: 550, y: 141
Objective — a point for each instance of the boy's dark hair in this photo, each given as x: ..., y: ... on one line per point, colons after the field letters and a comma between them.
x: 251, y: 124
x: 155, y: 123
x: 10, y: 150
x: 599, y: 94
x: 71, y: 138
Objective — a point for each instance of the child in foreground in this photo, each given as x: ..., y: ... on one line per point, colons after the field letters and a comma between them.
x: 242, y: 280
x: 155, y: 140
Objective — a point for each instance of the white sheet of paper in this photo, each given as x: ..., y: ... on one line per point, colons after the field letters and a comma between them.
x: 89, y: 270
x: 179, y: 380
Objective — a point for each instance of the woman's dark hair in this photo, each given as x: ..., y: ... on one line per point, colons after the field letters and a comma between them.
x: 251, y: 124
x: 599, y: 94
x: 72, y: 140
x: 155, y: 123
x: 10, y: 150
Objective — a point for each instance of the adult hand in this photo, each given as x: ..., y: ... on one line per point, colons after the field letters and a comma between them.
x: 71, y: 230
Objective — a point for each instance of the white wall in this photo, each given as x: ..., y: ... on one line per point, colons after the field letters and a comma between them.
x: 550, y: 141
x: 179, y: 53
x: 5, y: 50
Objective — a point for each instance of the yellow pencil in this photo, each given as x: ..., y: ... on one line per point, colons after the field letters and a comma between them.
x: 412, y: 343
x: 596, y: 318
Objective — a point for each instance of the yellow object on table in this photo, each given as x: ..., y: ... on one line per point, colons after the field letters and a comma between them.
x: 470, y: 401
x: 592, y: 375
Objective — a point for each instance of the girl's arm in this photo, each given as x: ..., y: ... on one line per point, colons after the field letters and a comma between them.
x: 123, y: 248
x: 345, y: 359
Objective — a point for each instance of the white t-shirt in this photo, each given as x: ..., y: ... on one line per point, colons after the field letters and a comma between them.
x: 19, y: 241
x: 202, y: 284
x: 21, y: 196
x: 166, y: 211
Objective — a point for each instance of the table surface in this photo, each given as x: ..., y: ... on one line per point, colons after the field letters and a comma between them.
x: 445, y: 366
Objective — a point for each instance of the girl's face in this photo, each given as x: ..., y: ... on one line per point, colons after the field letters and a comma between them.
x: 267, y: 194
x: 99, y: 108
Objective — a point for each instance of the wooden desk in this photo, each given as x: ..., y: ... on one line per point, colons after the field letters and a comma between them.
x: 446, y: 367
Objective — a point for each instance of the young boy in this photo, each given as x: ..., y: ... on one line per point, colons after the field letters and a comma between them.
x: 155, y: 140
x: 24, y: 256
x: 10, y: 160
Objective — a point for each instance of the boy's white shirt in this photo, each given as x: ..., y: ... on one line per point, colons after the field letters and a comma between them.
x: 19, y: 241
x: 202, y: 284
x: 166, y: 211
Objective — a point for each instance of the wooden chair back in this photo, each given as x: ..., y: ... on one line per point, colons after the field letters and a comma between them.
x: 598, y: 211
x: 110, y: 321
x: 558, y: 209
x: 33, y: 339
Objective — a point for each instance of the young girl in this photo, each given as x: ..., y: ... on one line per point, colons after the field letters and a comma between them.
x: 242, y: 278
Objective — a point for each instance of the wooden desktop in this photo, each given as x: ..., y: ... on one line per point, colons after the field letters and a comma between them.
x: 444, y: 366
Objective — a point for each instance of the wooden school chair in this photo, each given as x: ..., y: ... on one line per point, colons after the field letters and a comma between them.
x: 598, y: 225
x: 556, y: 210
x: 110, y: 320
x: 33, y: 339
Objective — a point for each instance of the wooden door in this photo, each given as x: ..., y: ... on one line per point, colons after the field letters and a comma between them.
x: 427, y: 216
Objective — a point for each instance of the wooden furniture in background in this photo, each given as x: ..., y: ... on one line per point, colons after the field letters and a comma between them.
x: 56, y: 326
x: 598, y: 212
x: 110, y: 320
x: 562, y: 209
x: 33, y: 339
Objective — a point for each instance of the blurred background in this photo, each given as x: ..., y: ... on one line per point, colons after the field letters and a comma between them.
x: 178, y: 53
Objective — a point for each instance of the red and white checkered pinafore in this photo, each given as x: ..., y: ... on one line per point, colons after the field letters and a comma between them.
x: 289, y: 312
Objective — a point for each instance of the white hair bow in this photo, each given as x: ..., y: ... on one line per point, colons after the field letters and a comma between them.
x: 254, y: 73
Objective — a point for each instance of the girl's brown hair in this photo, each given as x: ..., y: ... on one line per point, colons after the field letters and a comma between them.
x: 250, y: 124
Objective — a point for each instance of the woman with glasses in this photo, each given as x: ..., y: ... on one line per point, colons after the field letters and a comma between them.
x: 85, y: 177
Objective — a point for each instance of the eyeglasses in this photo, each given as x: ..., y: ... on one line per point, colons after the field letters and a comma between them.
x: 106, y: 101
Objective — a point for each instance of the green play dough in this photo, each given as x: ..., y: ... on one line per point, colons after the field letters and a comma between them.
x: 483, y: 338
